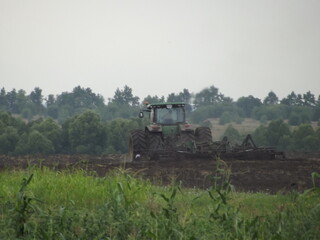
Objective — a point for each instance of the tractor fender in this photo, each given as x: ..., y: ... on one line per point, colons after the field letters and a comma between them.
x: 185, y: 127
x: 154, y: 128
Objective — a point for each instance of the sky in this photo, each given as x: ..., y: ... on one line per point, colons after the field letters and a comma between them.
x: 242, y: 47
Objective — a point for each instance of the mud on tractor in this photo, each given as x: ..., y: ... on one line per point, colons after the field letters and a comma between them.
x: 170, y: 136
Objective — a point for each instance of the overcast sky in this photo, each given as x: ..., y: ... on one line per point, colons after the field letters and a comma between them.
x: 242, y: 47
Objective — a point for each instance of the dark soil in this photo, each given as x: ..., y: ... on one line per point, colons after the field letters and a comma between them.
x: 278, y: 175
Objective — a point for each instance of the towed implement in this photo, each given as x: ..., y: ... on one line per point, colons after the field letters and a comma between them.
x: 169, y: 136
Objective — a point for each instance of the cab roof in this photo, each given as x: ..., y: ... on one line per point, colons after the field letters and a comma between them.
x: 164, y: 104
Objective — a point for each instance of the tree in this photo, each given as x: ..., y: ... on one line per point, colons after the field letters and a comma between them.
x: 8, y: 140
x: 226, y: 117
x: 86, y: 133
x: 6, y: 120
x: 271, y: 112
x: 3, y: 99
x: 118, y: 133
x: 309, y: 99
x: 53, y: 111
x: 216, y: 111
x: 248, y: 104
x: 276, y: 130
x: 22, y: 100
x: 232, y: 134
x: 305, y: 139
x: 125, y: 97
x: 300, y: 115
x: 172, y: 97
x: 12, y: 105
x: 85, y: 98
x: 290, y: 100
x: 294, y: 119
x: 184, y: 96
x: 316, y: 111
x: 37, y: 98
x: 50, y: 100
x: 34, y: 143
x: 52, y: 131
x: 299, y: 101
x: 271, y: 99
x: 260, y: 136
x: 153, y: 99
x: 68, y: 104
x: 209, y: 96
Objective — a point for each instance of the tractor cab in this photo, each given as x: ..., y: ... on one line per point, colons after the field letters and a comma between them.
x: 167, y: 113
x: 167, y: 118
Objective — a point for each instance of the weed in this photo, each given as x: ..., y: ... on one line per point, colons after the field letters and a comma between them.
x: 24, y: 207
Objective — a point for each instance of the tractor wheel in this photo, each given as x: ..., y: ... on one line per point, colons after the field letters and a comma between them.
x: 186, y: 137
x: 203, y: 134
x: 155, y: 144
x: 155, y: 141
x: 137, y: 144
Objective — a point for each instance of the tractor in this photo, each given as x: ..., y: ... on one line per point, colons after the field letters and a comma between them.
x: 169, y: 136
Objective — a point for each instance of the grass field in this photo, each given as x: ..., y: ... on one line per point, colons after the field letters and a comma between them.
x: 42, y: 204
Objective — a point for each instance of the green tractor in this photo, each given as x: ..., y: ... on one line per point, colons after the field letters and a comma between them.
x: 168, y: 135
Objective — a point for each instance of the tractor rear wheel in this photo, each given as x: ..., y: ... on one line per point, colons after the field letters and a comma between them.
x: 137, y: 144
x: 203, y: 134
x: 186, y: 137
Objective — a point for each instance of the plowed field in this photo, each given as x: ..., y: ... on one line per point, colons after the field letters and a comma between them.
x: 280, y: 175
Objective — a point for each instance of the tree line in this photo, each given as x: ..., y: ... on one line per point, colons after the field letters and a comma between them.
x: 296, y: 108
x: 208, y: 103
x: 84, y: 133
x: 87, y: 133
x: 81, y: 122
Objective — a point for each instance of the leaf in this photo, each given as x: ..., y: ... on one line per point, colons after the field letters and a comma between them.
x: 120, y: 187
x: 164, y: 197
x: 314, y: 175
x: 152, y: 214
x: 223, y: 198
x: 211, y: 196
x: 174, y: 192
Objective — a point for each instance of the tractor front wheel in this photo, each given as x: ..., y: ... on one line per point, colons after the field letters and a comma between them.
x: 137, y: 144
x: 155, y: 144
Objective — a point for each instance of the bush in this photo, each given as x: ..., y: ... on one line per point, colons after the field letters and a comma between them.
x: 34, y: 143
x: 277, y: 130
x: 216, y: 111
x: 294, y: 119
x: 87, y: 133
x: 263, y: 119
x: 232, y: 134
x: 225, y: 118
x: 305, y: 139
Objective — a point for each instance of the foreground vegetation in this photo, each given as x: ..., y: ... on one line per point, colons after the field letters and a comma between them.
x: 43, y: 204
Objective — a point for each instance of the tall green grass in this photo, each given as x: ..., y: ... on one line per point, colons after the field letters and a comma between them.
x: 42, y: 204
